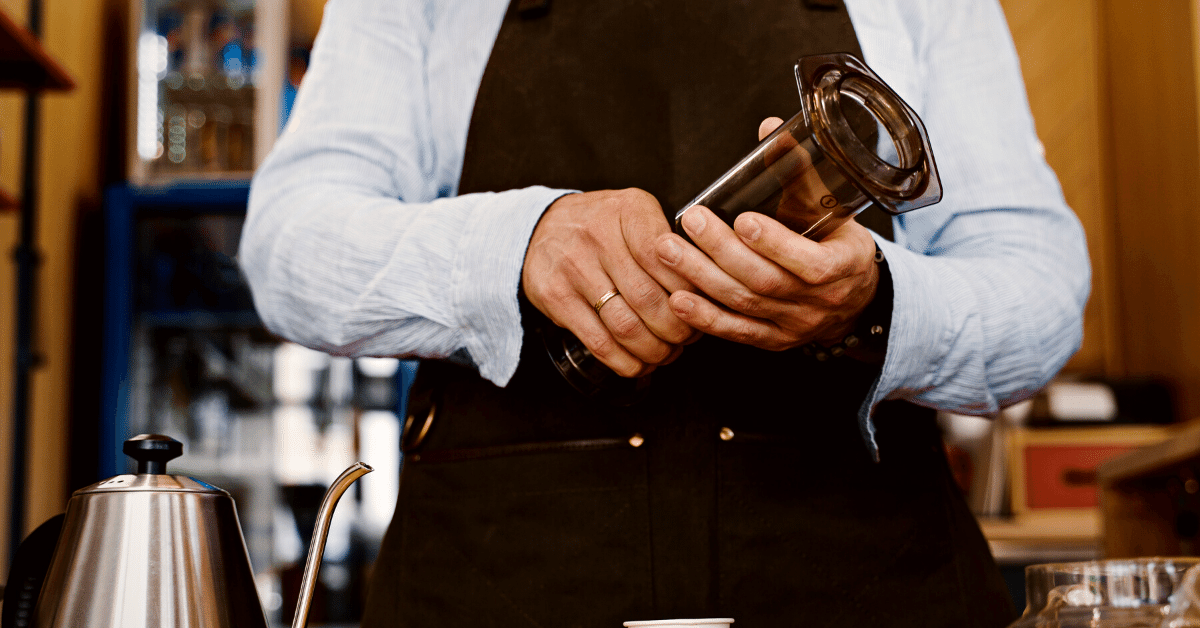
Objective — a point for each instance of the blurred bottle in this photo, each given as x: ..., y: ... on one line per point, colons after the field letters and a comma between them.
x: 195, y: 97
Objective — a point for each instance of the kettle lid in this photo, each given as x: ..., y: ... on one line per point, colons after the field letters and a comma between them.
x: 152, y: 452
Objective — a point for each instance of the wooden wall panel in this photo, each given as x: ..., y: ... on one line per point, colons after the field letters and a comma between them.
x: 68, y: 177
x: 1155, y: 155
x: 1113, y: 88
x: 11, y: 108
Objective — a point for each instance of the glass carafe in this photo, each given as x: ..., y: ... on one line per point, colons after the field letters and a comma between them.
x: 1125, y: 593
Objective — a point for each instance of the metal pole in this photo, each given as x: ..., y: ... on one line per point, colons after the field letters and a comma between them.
x: 27, y: 258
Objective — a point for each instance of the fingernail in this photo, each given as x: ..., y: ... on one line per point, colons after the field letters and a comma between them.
x: 749, y: 228
x: 670, y: 252
x: 694, y: 222
x: 684, y: 305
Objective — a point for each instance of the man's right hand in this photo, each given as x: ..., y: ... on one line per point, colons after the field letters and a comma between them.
x: 589, y: 243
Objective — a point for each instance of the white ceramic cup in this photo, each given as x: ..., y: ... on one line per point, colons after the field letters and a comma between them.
x: 681, y: 623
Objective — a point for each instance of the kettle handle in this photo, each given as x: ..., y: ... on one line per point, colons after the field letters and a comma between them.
x: 30, y: 563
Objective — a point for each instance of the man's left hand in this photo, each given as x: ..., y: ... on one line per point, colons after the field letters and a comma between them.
x: 766, y: 285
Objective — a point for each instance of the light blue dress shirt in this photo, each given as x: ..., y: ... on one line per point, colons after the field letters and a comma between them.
x: 356, y: 244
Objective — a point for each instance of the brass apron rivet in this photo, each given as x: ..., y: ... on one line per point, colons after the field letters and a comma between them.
x: 636, y: 440
x: 726, y: 434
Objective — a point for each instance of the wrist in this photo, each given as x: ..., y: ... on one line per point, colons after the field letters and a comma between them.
x: 867, y: 340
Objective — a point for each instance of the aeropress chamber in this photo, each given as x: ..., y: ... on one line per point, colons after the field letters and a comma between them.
x: 853, y: 143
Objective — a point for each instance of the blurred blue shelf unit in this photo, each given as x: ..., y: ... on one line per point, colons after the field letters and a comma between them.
x: 168, y: 263
x: 170, y: 267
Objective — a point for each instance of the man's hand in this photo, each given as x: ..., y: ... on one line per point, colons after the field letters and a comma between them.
x: 779, y: 289
x: 590, y: 243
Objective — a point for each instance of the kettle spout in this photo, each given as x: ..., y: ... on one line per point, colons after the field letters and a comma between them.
x: 316, y: 548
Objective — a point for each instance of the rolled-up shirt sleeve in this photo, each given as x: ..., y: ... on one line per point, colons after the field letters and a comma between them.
x: 991, y: 283
x: 354, y: 243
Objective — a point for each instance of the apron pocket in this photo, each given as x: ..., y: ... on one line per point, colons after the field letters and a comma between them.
x: 523, y: 536
x: 803, y: 536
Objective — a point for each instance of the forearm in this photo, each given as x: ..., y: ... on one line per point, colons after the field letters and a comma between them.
x: 339, y: 267
x: 350, y: 244
x: 991, y: 315
x: 990, y: 284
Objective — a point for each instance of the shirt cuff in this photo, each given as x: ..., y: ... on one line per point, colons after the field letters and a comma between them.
x: 487, y: 276
x: 913, y: 337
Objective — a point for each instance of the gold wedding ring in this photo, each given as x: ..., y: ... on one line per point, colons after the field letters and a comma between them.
x: 604, y: 299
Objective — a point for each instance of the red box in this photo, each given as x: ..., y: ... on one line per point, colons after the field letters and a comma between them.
x: 1064, y: 476
x: 1056, y: 468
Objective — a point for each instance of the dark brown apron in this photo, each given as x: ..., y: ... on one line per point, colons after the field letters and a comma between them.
x: 741, y: 486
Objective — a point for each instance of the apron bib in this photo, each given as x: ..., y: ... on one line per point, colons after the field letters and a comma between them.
x: 740, y: 486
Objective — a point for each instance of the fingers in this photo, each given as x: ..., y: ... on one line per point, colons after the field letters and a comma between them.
x: 640, y: 318
x: 844, y: 253
x: 587, y: 244
x: 643, y: 279
x: 733, y: 326
x: 769, y: 287
x: 641, y: 231
x: 731, y: 272
x: 631, y: 332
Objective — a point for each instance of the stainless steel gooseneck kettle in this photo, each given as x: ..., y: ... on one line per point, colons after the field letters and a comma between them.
x: 157, y: 550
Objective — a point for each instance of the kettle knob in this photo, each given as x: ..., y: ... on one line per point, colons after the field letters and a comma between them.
x: 152, y: 452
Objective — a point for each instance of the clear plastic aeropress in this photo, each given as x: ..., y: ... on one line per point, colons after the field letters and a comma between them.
x: 853, y: 143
